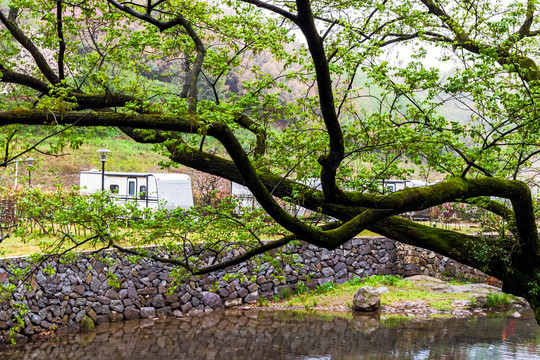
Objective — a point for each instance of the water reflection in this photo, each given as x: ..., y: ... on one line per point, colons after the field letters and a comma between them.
x: 234, y: 334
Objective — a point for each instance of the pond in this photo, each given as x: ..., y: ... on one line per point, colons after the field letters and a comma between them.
x: 253, y: 334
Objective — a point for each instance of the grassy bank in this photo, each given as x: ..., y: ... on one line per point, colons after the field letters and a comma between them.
x: 17, y: 246
x: 332, y: 296
x: 402, y: 294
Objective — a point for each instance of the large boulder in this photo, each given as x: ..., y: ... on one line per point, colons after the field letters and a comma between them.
x: 212, y: 300
x: 367, y: 298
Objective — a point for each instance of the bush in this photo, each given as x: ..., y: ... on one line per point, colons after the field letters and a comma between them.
x: 325, y: 288
x: 496, y: 299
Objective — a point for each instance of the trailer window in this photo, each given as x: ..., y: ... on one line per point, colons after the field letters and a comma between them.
x: 131, y: 188
x: 142, y: 192
x: 114, y: 188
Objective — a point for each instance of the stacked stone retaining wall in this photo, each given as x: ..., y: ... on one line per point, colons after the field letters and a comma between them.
x: 82, y: 292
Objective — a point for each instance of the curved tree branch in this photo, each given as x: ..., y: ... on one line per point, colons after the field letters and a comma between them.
x: 525, y: 28
x: 13, y: 77
x: 36, y: 54
x: 61, y: 41
x: 273, y: 8
x: 330, y: 161
x: 248, y: 124
x: 196, y: 68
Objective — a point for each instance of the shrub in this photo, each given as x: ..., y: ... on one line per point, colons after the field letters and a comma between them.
x: 285, y: 293
x: 301, y: 288
x: 324, y: 288
x: 497, y: 299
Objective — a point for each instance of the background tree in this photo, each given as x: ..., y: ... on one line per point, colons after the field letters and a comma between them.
x: 160, y: 71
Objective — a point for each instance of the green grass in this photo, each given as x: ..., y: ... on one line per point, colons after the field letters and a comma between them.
x: 367, y: 233
x: 16, y: 246
x: 496, y: 299
x: 379, y: 280
x: 325, y: 288
x: 330, y: 295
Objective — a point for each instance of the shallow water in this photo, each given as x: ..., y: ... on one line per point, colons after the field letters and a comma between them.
x: 236, y: 334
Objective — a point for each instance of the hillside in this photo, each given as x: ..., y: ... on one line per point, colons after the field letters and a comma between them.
x: 48, y: 170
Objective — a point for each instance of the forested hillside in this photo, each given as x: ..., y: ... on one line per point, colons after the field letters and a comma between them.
x: 62, y: 165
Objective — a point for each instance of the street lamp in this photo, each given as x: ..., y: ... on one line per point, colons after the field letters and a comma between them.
x: 103, y: 158
x: 16, y: 173
x: 30, y: 162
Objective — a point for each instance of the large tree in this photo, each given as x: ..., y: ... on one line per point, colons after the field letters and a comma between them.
x: 289, y: 91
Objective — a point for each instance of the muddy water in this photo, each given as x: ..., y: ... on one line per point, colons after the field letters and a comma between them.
x: 293, y: 335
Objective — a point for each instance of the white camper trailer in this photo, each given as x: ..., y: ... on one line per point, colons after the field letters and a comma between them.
x: 244, y: 195
x: 247, y: 200
x: 148, y: 189
x: 391, y: 186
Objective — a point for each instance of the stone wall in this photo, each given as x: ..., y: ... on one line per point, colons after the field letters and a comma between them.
x: 81, y: 292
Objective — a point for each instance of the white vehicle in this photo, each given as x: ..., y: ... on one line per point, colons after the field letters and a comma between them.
x: 148, y: 189
x: 391, y: 186
x: 247, y: 200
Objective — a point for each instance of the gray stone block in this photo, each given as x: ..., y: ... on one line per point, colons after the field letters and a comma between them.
x: 212, y: 300
x: 252, y: 297
x: 147, y: 312
x: 328, y: 271
x: 117, y: 305
x: 243, y: 292
x: 158, y: 301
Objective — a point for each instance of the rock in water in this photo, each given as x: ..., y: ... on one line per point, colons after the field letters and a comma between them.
x: 366, y: 299
x: 87, y: 324
x: 212, y: 300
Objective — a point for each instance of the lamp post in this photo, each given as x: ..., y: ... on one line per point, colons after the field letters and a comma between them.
x: 30, y: 162
x: 16, y: 173
x: 103, y: 158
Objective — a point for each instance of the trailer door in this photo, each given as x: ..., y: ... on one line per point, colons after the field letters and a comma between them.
x: 131, y: 187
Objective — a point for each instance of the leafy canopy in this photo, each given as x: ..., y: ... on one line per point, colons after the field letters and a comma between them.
x: 275, y: 94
